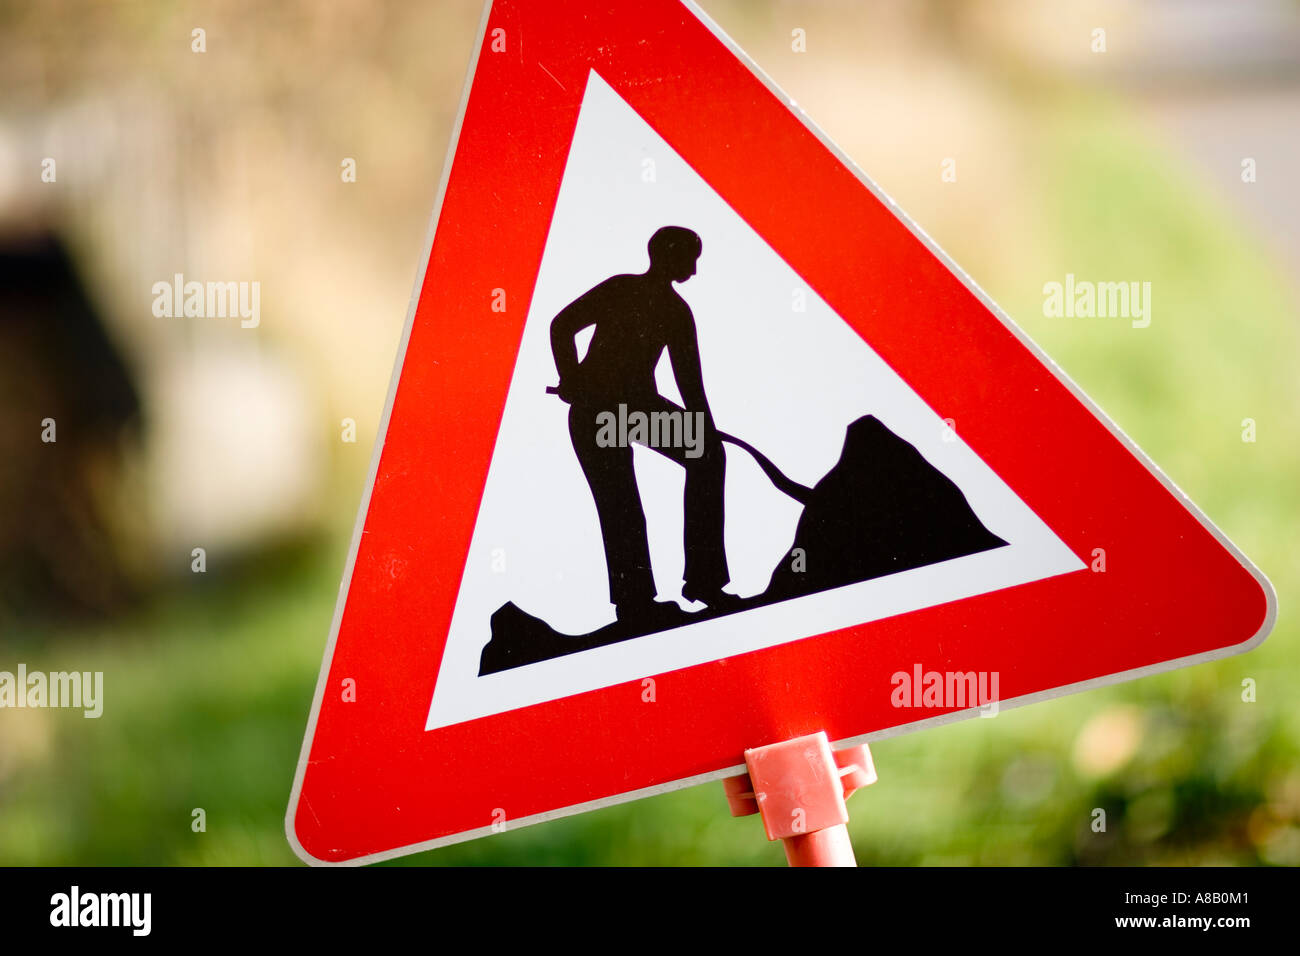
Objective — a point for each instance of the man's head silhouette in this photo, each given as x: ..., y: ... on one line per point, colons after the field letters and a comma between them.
x: 673, y: 251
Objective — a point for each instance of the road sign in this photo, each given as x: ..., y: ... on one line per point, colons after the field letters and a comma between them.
x: 694, y: 444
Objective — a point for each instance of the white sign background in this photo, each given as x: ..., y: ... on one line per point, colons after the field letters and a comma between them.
x: 790, y: 382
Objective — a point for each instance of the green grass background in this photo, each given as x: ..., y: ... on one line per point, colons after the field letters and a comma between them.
x: 209, y: 686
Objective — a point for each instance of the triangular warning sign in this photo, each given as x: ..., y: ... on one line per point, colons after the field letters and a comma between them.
x: 695, y: 444
x: 780, y: 368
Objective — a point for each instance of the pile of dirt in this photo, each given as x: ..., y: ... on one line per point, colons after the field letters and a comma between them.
x: 882, y: 509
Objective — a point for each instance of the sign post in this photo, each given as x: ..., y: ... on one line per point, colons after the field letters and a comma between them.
x: 800, y: 787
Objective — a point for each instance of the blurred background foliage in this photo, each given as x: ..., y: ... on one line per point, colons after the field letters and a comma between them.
x: 179, y: 433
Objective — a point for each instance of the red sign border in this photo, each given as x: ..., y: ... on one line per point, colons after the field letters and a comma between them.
x: 380, y: 786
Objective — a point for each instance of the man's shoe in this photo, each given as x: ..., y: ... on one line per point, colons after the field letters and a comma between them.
x: 716, y: 598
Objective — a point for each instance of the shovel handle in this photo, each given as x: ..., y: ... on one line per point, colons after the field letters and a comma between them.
x: 800, y: 493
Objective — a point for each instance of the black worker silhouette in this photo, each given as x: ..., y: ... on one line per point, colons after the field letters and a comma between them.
x: 881, y: 509
x: 637, y: 318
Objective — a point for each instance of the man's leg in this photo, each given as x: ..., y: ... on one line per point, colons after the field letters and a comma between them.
x: 612, y: 480
x: 703, y: 534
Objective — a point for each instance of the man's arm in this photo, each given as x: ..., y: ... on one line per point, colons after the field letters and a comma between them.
x: 573, y: 318
x: 684, y: 353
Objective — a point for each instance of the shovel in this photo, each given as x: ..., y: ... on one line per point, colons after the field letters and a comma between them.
x: 783, y: 483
